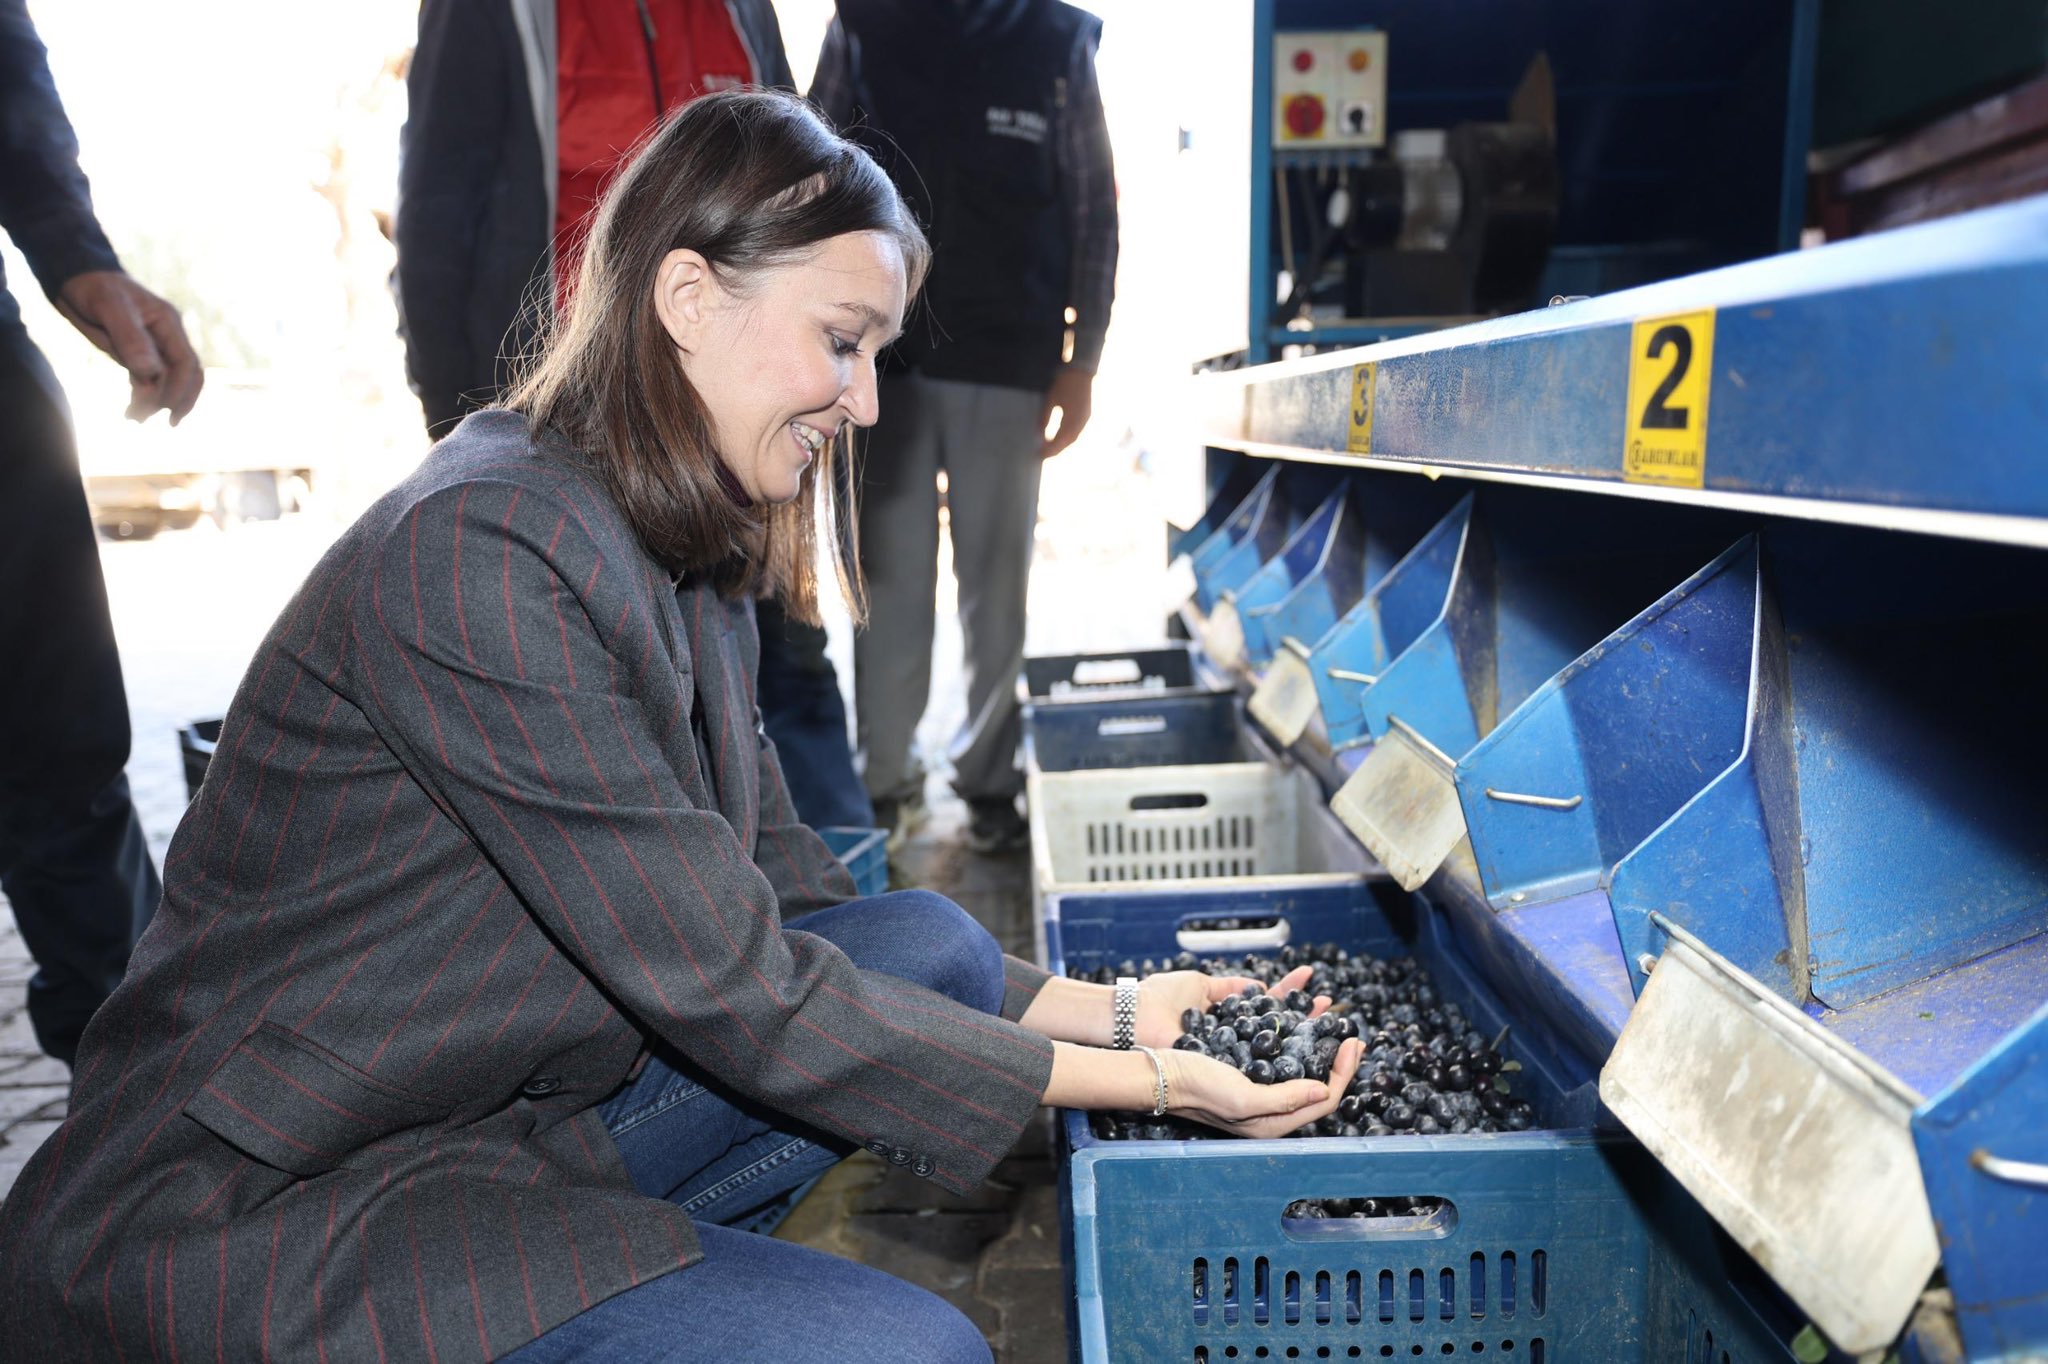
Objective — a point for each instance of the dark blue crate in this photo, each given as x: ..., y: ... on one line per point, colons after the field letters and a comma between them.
x: 1561, y: 1244
x: 1059, y: 679
x: 1162, y: 730
x: 865, y: 853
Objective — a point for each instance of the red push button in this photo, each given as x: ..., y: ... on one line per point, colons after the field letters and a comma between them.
x: 1304, y: 59
x: 1305, y: 115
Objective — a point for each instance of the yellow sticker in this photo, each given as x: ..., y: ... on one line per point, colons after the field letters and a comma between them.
x: 1670, y: 369
x: 1360, y: 441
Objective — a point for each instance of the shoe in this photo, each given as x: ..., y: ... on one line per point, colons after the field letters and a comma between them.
x: 902, y: 817
x: 994, y: 826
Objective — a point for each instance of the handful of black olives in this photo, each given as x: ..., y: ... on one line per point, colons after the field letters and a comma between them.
x: 1426, y: 1069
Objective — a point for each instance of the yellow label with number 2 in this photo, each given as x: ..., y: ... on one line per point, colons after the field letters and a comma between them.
x: 1670, y: 370
x: 1359, y: 439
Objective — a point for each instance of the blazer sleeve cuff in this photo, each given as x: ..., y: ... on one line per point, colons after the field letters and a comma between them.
x: 1021, y: 983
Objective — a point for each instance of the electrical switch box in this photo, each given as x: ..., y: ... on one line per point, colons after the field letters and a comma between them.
x: 1330, y: 89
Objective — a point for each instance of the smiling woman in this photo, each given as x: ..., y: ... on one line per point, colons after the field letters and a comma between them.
x: 496, y: 986
x: 737, y: 284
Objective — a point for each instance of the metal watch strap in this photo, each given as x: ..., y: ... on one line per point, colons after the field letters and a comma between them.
x: 1123, y: 1013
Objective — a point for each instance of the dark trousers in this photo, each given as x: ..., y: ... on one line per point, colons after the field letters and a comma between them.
x: 73, y: 860
x: 805, y: 716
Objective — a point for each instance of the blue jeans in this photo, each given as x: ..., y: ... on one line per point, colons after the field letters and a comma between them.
x: 803, y: 713
x: 726, y: 1161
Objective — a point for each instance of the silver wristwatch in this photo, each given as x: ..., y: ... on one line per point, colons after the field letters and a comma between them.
x: 1123, y: 1013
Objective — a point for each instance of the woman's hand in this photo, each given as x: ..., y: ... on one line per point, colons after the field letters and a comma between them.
x: 1212, y: 1093
x: 1164, y: 998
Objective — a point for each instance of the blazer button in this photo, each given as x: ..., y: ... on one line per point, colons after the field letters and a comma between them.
x: 539, y: 1086
x: 922, y: 1167
x: 880, y: 1148
x: 899, y: 1156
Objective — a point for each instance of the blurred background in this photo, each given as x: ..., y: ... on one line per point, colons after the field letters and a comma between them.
x: 243, y: 157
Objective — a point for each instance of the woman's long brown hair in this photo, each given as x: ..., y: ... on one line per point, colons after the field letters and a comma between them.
x: 750, y: 180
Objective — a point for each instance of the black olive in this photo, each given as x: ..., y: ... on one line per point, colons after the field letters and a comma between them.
x: 1265, y: 1045
x: 1259, y: 1072
x: 1397, y: 1115
x: 1287, y: 1068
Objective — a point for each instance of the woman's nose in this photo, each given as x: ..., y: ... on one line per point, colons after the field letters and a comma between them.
x: 860, y: 399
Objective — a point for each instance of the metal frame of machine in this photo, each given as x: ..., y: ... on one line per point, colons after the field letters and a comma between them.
x: 1708, y: 75
x: 1787, y: 795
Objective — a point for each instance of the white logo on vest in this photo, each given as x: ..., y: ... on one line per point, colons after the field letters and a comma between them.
x: 1026, y: 125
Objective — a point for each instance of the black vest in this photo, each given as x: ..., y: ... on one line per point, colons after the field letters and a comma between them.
x: 965, y: 107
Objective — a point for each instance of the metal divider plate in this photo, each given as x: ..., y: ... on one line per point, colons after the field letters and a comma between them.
x: 1286, y: 699
x: 1799, y: 1146
x: 1403, y: 805
x: 1223, y: 636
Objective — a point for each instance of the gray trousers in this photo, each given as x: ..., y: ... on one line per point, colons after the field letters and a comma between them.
x: 987, y: 440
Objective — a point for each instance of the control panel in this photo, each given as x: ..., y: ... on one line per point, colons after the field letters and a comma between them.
x: 1330, y: 88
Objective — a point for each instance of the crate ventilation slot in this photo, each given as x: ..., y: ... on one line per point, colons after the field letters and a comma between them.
x: 1397, y: 1299
x: 1225, y: 846
x: 1211, y: 1354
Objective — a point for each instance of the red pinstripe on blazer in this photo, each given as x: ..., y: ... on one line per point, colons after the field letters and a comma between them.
x: 490, y: 807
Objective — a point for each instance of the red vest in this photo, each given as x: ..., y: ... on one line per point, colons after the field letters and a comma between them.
x: 615, y: 82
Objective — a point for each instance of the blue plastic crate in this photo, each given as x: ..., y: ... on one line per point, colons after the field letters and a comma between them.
x: 1552, y: 1245
x: 865, y: 853
x: 1155, y: 670
x: 1162, y: 730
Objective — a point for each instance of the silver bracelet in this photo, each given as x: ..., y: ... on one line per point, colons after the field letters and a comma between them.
x: 1123, y: 1013
x: 1159, y: 1074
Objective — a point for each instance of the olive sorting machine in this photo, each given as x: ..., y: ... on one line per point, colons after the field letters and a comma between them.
x: 1693, y: 694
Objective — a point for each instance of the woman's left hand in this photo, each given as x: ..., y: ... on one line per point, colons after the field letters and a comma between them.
x: 1164, y: 998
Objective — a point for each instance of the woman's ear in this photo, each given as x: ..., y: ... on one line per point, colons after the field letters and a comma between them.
x: 683, y: 285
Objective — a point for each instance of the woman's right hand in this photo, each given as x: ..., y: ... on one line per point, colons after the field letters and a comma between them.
x: 1207, y: 1091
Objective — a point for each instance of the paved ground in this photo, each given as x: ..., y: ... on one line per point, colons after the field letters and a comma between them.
x: 190, y: 608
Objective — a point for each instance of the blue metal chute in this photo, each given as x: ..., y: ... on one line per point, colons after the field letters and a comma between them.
x: 1276, y: 508
x: 1218, y: 560
x: 1316, y: 575
x: 1401, y: 606
x: 1537, y: 581
x: 1984, y: 1154
x: 1620, y: 738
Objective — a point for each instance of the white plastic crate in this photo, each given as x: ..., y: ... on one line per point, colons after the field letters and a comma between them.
x: 1203, y: 822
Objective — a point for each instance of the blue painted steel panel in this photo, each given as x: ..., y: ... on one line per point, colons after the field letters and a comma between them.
x: 1632, y: 729
x: 1914, y: 682
x: 1301, y: 562
x: 1994, y: 1230
x: 1929, y: 1032
x: 1405, y: 604
x: 1836, y: 372
x: 1331, y: 588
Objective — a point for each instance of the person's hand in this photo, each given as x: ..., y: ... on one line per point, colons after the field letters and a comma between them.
x: 1073, y: 393
x: 1164, y: 998
x: 1209, y: 1092
x: 142, y: 333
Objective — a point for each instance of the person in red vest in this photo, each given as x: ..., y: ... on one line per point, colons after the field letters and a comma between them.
x: 519, y: 112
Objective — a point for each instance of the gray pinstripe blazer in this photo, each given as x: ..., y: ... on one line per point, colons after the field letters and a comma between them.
x: 490, y: 809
